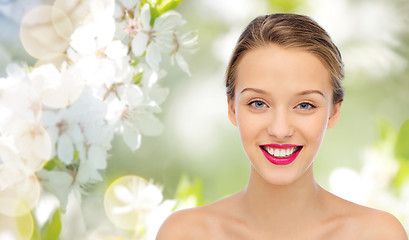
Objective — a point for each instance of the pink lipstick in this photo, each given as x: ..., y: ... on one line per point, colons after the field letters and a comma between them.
x: 281, y: 154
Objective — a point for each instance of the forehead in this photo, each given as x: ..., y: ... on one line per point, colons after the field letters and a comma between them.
x: 284, y: 68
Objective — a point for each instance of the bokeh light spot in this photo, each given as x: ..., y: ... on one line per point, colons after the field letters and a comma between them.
x: 43, y: 31
x: 75, y: 10
x: 120, y: 202
x: 17, y: 227
x: 25, y: 192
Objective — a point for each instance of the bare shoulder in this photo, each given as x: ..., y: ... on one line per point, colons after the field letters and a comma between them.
x: 367, y: 223
x: 348, y: 220
x: 183, y: 224
x: 196, y: 223
x: 382, y: 225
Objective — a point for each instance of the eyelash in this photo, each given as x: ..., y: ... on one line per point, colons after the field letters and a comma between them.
x: 253, y: 104
x: 311, y: 106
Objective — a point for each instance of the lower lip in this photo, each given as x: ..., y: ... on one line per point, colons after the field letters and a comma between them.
x: 280, y: 161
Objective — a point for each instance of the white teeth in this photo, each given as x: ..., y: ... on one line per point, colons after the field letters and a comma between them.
x: 281, y: 152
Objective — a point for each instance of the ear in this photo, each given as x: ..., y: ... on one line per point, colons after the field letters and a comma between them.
x: 334, y: 115
x: 231, y: 111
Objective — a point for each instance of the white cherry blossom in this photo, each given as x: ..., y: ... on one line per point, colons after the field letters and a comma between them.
x: 130, y: 200
x: 157, y: 39
x: 57, y: 89
x: 126, y: 13
x: 185, y: 43
x: 108, y: 82
x: 18, y: 98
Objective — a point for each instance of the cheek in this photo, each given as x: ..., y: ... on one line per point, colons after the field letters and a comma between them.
x: 249, y: 126
x: 314, y: 128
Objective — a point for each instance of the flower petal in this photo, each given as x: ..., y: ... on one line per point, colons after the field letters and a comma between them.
x: 150, y: 125
x: 167, y: 21
x: 88, y: 173
x: 134, y: 95
x: 182, y: 63
x: 65, y: 149
x: 58, y: 183
x: 116, y: 50
x: 83, y: 40
x: 158, y: 93
x: 139, y: 43
x: 106, y: 31
x: 132, y: 138
x: 153, y: 57
x: 129, y: 4
x: 97, y: 156
x: 122, y: 193
x: 145, y: 17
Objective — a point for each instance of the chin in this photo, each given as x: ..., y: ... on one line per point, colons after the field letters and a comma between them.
x: 280, y: 178
x: 285, y: 175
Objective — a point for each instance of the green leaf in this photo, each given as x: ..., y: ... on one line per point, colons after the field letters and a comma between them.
x: 168, y: 5
x: 56, y: 162
x: 160, y: 7
x: 402, y: 143
x: 52, y: 228
x: 134, y: 62
x: 137, y: 78
x: 50, y: 165
x: 25, y: 223
x: 154, y: 14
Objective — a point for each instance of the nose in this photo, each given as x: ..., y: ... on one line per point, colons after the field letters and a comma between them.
x: 280, y: 126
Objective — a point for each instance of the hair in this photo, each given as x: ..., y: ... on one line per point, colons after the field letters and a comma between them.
x: 288, y: 31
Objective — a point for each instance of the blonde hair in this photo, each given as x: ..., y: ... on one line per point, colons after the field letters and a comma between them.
x: 288, y: 31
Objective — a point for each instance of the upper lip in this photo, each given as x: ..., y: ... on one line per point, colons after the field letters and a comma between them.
x: 280, y: 145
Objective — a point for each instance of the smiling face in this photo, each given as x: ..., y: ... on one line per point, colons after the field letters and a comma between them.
x: 282, y: 107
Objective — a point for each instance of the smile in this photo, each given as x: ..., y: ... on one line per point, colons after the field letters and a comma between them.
x: 281, y: 154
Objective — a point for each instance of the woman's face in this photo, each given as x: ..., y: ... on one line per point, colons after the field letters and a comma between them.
x: 282, y: 107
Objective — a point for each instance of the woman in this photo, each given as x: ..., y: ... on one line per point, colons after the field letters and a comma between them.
x: 283, y: 91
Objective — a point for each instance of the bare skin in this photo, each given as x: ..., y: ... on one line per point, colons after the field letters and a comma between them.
x: 282, y: 213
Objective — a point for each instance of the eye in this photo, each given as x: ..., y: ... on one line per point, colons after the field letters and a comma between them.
x: 257, y: 104
x: 305, y: 105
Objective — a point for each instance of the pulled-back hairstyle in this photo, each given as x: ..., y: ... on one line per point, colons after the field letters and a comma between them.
x: 288, y: 31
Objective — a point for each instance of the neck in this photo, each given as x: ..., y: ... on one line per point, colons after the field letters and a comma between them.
x: 281, y: 205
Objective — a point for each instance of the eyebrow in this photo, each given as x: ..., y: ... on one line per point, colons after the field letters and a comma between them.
x: 311, y: 92
x: 257, y: 90
x: 302, y: 93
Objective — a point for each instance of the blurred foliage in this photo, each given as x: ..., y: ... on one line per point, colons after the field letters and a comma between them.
x: 50, y: 230
x: 188, y: 189
x: 285, y: 6
x: 402, y: 155
x: 402, y: 143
